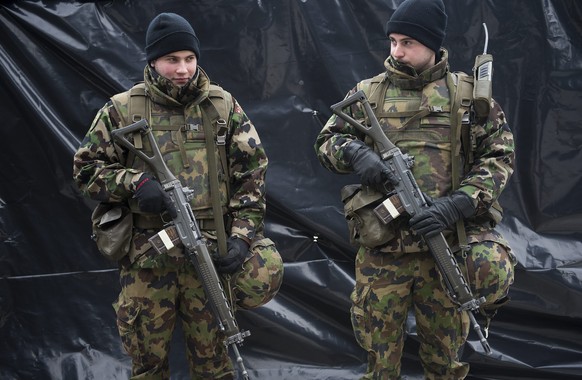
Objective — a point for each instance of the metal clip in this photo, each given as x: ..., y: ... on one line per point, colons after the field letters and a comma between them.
x: 221, y: 132
x: 192, y: 127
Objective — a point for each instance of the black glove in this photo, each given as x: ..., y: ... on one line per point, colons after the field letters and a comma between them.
x: 235, y: 257
x: 152, y: 198
x: 368, y: 165
x: 442, y: 213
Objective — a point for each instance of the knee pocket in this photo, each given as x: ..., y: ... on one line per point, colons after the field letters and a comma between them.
x: 360, y: 317
x: 127, y: 315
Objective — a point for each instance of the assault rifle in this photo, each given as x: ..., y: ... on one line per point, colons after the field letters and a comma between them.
x: 410, y: 198
x: 189, y: 234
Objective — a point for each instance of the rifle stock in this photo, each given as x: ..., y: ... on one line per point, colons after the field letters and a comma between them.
x: 189, y: 234
x: 412, y: 201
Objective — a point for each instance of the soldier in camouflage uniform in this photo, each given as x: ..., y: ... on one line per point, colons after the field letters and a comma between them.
x: 156, y: 288
x: 412, y: 100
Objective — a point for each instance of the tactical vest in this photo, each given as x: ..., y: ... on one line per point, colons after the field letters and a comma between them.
x: 180, y: 135
x: 436, y: 117
x: 433, y: 125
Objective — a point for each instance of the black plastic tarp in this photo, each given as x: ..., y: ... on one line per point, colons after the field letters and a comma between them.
x: 286, y: 62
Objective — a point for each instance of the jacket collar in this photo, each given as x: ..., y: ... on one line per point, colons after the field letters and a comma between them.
x: 406, y: 78
x: 163, y: 91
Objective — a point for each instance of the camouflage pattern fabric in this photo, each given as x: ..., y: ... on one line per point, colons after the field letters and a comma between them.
x: 158, y: 287
x: 261, y: 277
x: 489, y: 268
x: 428, y: 140
x: 389, y: 284
x: 175, y: 288
x: 147, y: 307
x: 414, y: 112
x: 101, y: 172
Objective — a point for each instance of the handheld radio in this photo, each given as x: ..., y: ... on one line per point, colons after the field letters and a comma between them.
x: 483, y: 74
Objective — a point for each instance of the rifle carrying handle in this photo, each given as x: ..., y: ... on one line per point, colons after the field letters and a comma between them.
x: 156, y: 162
x: 374, y: 131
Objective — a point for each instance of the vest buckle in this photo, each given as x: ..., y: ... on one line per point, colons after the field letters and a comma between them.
x: 221, y: 132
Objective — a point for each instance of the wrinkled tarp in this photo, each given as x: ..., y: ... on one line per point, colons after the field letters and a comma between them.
x: 286, y: 62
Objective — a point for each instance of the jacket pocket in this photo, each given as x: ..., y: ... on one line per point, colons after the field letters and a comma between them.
x: 364, y: 226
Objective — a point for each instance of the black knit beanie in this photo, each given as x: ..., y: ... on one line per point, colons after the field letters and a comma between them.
x: 423, y: 20
x: 169, y: 32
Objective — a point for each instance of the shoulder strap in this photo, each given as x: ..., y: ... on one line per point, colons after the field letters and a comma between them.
x: 132, y: 106
x: 461, y: 92
x: 216, y: 111
x: 374, y: 88
x: 218, y: 106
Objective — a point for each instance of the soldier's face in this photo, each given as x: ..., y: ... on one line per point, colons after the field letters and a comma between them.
x: 409, y: 51
x: 178, y: 66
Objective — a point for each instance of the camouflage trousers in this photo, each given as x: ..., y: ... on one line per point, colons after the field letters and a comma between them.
x: 150, y: 301
x: 388, y: 285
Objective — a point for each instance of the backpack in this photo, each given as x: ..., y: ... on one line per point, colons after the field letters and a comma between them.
x: 462, y: 116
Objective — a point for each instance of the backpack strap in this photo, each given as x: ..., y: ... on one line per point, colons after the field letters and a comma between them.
x: 215, y: 117
x: 213, y: 179
x: 138, y: 107
x: 461, y: 89
x: 216, y: 111
x: 219, y: 104
x: 461, y: 93
x: 375, y: 89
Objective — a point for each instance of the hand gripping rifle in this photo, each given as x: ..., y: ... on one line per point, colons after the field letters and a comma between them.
x: 189, y: 234
x: 409, y: 198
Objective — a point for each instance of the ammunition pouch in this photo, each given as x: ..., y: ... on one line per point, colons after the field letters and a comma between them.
x: 365, y: 227
x: 112, y: 226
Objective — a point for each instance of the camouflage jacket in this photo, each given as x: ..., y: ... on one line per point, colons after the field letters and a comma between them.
x: 427, y: 137
x: 102, y: 173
